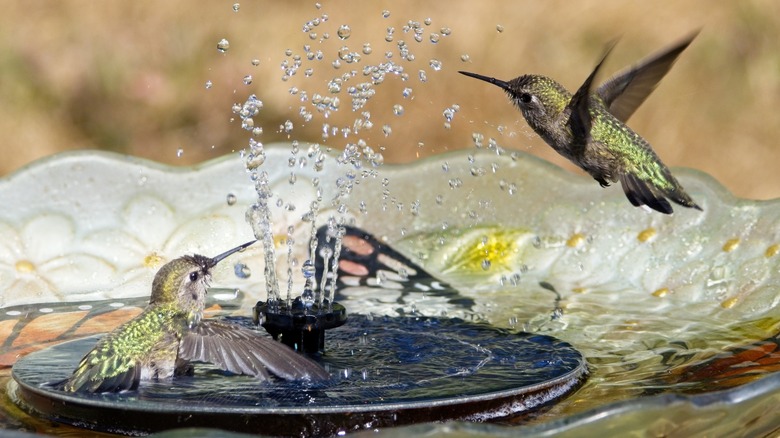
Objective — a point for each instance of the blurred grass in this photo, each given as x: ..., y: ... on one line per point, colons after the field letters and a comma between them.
x: 129, y: 76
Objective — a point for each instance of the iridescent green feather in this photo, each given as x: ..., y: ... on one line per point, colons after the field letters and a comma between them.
x: 119, y: 352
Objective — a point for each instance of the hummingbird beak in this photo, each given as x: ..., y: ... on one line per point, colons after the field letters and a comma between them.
x: 497, y: 82
x: 225, y: 254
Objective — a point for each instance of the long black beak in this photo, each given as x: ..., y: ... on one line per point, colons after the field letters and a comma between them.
x: 225, y: 254
x: 497, y: 82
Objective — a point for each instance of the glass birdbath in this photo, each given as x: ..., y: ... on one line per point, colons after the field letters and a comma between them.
x: 676, y: 316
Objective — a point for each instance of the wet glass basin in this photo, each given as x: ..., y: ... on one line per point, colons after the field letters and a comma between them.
x: 677, y: 315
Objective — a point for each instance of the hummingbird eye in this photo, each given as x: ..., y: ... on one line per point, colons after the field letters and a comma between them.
x: 525, y: 98
x: 194, y: 276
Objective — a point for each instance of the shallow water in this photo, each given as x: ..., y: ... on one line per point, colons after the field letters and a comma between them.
x: 627, y: 358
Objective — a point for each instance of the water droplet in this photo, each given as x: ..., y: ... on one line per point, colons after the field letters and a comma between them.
x: 308, y: 269
x: 367, y: 49
x: 308, y: 297
x: 179, y: 152
x: 446, y: 31
x: 344, y: 32
x: 385, y: 13
x: 223, y: 45
x: 231, y: 199
x: 242, y: 270
x: 407, y: 92
x: 428, y: 21
x: 423, y: 76
x: 334, y: 85
x: 449, y: 113
x: 435, y: 38
x: 247, y: 79
x: 236, y: 7
x: 499, y: 28
x: 485, y: 265
x: 387, y: 130
x: 465, y: 58
x: 398, y: 110
x: 209, y: 84
x: 435, y: 64
x: 255, y: 62
x: 253, y: 161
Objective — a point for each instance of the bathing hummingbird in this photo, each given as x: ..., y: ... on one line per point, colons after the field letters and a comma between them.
x: 170, y: 332
x: 589, y: 127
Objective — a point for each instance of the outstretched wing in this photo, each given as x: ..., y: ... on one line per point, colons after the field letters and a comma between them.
x: 626, y: 91
x: 244, y: 351
x: 580, y: 120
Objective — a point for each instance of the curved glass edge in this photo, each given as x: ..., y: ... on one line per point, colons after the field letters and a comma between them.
x: 748, y: 410
x: 724, y: 212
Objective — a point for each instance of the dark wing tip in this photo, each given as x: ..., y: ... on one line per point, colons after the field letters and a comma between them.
x: 626, y: 91
x: 684, y: 200
x: 641, y: 193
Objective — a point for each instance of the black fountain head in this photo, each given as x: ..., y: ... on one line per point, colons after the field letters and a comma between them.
x: 301, y: 326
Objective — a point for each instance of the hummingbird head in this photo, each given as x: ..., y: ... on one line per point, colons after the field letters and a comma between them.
x: 539, y: 98
x: 184, y: 280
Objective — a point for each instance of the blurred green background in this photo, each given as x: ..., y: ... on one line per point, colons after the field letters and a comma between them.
x: 129, y: 76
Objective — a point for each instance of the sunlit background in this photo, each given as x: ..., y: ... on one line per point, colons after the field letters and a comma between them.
x: 131, y: 77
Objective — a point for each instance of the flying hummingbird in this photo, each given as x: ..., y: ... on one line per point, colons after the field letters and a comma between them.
x: 161, y: 341
x: 589, y: 128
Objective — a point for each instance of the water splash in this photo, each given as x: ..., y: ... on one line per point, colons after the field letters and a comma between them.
x: 259, y: 217
x: 351, y: 70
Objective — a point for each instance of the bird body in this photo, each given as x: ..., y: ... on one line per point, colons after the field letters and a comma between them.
x: 588, y: 127
x: 170, y: 333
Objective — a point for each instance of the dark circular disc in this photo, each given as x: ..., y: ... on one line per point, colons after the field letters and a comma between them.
x: 384, y: 372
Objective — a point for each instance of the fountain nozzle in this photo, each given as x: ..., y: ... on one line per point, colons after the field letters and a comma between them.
x: 301, y: 326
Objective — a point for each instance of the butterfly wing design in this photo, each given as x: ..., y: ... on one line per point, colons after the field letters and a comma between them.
x: 366, y: 262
